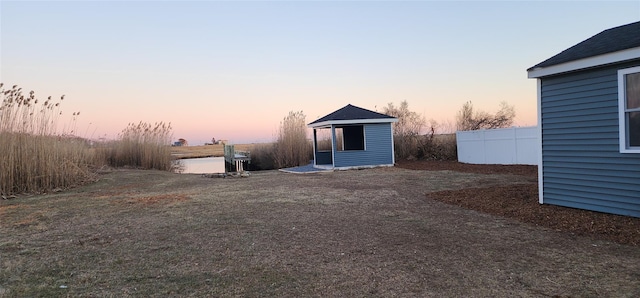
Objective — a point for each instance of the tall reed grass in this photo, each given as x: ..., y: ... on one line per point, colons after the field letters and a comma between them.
x: 292, y: 148
x: 142, y: 145
x: 34, y: 156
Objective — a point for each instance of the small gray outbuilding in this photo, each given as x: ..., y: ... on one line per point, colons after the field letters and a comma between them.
x: 589, y: 123
x: 354, y: 138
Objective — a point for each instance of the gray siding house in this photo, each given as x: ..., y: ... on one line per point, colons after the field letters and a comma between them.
x: 353, y: 137
x: 589, y: 123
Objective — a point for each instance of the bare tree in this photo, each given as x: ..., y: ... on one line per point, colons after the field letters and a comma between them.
x: 469, y: 119
x: 409, y: 122
x: 406, y: 132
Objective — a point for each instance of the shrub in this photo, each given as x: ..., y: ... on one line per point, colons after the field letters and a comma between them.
x: 262, y: 157
x: 410, y: 143
x: 35, y: 156
x: 438, y: 147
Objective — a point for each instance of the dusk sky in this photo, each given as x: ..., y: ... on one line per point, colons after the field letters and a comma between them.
x: 233, y: 70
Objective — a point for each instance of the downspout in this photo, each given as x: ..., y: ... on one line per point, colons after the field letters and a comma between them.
x: 393, y: 147
x: 540, y: 161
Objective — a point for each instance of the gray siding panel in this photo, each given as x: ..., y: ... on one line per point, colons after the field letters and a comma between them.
x: 323, y: 158
x: 378, y: 148
x: 581, y: 198
x: 569, y: 137
x: 595, y: 111
x: 572, y: 102
x: 577, y: 186
x: 590, y: 179
x: 582, y: 166
x: 615, y: 162
x: 600, y: 87
x: 595, y: 205
x: 571, y: 130
x: 585, y: 116
x: 589, y: 95
x: 561, y: 141
x: 585, y: 105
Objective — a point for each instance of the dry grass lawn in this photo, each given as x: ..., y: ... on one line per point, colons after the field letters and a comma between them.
x: 360, y: 233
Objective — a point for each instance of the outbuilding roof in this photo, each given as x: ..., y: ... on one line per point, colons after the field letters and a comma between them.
x: 624, y: 41
x: 351, y: 114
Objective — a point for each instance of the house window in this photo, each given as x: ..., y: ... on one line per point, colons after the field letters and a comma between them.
x: 629, y: 109
x: 350, y: 138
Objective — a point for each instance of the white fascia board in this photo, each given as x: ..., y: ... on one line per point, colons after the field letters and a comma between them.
x: 355, y: 121
x: 319, y: 126
x: 628, y: 54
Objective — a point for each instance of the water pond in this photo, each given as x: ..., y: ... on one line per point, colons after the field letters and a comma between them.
x: 206, y: 165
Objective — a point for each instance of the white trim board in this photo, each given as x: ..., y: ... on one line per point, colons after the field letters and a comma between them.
x: 353, y: 121
x: 622, y: 111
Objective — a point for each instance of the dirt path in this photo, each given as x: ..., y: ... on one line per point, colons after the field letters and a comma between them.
x: 352, y: 233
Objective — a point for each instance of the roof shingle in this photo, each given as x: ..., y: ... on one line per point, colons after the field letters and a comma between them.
x: 350, y: 112
x: 608, y: 41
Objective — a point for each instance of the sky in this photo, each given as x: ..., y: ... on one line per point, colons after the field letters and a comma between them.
x: 233, y: 70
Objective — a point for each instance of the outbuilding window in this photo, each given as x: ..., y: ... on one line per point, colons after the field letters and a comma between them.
x: 629, y: 109
x: 350, y: 138
x: 323, y: 139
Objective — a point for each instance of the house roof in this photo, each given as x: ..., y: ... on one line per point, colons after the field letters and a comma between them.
x: 351, y: 114
x: 609, y: 46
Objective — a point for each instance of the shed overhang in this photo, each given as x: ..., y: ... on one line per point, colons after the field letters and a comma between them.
x: 325, y: 124
x: 594, y: 61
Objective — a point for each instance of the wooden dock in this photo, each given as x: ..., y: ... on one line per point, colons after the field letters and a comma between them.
x: 235, y: 161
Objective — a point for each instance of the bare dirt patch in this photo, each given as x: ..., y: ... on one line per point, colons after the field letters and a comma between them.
x: 521, y: 202
x: 441, y: 165
x: 368, y: 233
x: 165, y: 199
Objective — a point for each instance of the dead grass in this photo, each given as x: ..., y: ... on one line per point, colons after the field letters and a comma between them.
x: 347, y: 233
x: 166, y: 199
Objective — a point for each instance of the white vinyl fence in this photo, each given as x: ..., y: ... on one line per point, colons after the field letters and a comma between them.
x: 517, y: 145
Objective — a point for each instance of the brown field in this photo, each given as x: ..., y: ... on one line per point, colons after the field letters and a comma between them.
x: 376, y: 232
x: 205, y: 150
